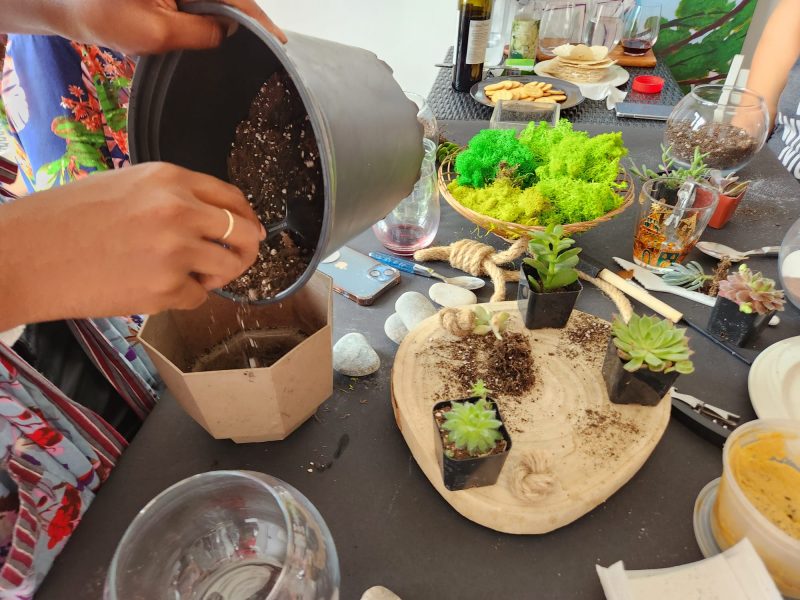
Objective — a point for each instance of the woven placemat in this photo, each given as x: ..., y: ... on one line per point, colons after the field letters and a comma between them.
x: 447, y: 104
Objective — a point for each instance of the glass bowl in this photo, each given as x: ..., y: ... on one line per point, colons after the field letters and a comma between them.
x: 728, y: 124
x: 789, y: 264
x: 226, y: 534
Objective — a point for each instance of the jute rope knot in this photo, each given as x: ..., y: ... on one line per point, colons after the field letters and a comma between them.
x: 458, y: 322
x: 478, y: 259
x: 532, y: 476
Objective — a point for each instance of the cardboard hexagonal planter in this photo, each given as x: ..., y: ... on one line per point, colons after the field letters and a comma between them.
x: 258, y: 403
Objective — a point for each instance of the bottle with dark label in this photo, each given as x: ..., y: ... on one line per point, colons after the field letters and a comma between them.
x: 474, y: 27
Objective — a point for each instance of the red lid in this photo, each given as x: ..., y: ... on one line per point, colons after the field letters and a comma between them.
x: 648, y: 84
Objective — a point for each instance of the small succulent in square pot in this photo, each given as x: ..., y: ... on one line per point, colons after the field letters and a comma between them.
x: 745, y: 304
x: 644, y: 358
x: 548, y: 282
x: 471, y: 440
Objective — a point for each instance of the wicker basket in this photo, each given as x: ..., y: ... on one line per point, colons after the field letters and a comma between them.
x: 512, y: 231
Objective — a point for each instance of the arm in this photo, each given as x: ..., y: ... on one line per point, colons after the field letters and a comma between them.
x: 130, y: 26
x: 777, y: 52
x: 139, y: 240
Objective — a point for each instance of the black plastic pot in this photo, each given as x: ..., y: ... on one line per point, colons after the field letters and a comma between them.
x: 642, y: 387
x: 471, y: 472
x: 548, y: 309
x: 185, y: 107
x: 730, y: 324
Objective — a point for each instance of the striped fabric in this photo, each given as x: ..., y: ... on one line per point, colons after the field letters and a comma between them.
x: 56, y: 456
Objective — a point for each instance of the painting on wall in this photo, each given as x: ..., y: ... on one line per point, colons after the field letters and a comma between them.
x: 699, y: 38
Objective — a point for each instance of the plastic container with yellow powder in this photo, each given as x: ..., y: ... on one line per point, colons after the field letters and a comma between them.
x: 759, y: 497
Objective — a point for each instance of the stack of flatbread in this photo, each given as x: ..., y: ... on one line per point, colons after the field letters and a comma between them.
x: 579, y: 63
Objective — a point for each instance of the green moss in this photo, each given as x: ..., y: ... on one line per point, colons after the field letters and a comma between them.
x: 478, y: 165
x: 574, y: 181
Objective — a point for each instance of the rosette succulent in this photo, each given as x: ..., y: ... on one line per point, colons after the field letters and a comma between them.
x: 652, y: 343
x: 690, y: 276
x: 473, y: 426
x: 753, y: 292
x: 486, y: 321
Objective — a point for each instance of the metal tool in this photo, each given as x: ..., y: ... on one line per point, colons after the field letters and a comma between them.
x: 712, y: 423
x: 464, y: 281
x: 654, y: 283
x: 593, y: 268
x: 721, y: 250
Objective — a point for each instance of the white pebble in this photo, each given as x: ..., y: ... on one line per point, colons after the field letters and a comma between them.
x: 451, y: 296
x: 395, y: 328
x: 413, y: 309
x: 353, y: 356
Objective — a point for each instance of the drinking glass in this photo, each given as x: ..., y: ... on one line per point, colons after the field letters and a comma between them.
x: 640, y: 32
x: 789, y: 264
x: 563, y: 22
x: 425, y: 116
x: 413, y: 224
x: 671, y: 221
x: 226, y: 535
x: 605, y: 24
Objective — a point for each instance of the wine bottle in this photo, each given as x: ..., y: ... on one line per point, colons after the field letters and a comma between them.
x: 474, y: 27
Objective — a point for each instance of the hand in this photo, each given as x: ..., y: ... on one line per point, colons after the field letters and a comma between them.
x: 138, y: 240
x: 152, y: 26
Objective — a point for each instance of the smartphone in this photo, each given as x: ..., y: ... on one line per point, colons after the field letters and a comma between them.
x: 358, y: 277
x: 632, y: 110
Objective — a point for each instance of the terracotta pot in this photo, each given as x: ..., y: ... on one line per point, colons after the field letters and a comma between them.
x: 725, y: 210
x: 545, y: 309
x: 469, y: 472
x: 641, y: 387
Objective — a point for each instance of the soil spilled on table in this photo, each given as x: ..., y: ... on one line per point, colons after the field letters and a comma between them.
x: 275, y: 161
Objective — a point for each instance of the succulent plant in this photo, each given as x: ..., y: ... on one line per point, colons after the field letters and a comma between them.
x: 486, y: 321
x: 753, y: 292
x: 691, y: 275
x: 696, y: 171
x: 652, y: 343
x: 473, y: 426
x: 553, y: 258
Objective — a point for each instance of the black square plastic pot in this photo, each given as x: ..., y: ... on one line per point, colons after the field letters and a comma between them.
x: 470, y: 472
x: 547, y: 309
x: 730, y: 324
x: 642, y: 387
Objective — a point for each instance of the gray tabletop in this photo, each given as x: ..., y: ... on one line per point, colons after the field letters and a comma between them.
x: 447, y: 104
x: 391, y: 527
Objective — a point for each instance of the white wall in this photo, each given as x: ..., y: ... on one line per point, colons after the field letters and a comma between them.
x: 410, y: 35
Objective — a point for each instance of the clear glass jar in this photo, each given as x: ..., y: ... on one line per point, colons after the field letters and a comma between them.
x: 226, y: 534
x: 728, y: 124
x: 789, y: 264
x: 413, y: 224
x: 426, y: 117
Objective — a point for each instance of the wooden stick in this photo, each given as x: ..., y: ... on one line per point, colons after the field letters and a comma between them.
x: 642, y: 295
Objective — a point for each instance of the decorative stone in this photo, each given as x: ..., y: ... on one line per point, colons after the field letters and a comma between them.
x: 395, y: 328
x: 353, y: 356
x: 413, y: 309
x: 379, y: 593
x: 451, y: 296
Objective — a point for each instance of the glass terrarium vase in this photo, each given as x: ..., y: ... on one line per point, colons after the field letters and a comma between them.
x: 728, y: 124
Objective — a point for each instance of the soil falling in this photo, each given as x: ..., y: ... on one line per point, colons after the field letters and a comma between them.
x: 275, y: 161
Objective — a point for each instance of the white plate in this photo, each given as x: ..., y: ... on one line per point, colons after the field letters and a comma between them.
x: 774, y: 381
x: 616, y: 76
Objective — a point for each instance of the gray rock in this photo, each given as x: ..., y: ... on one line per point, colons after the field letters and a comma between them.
x: 413, y: 309
x: 353, y: 356
x: 395, y: 328
x: 451, y: 296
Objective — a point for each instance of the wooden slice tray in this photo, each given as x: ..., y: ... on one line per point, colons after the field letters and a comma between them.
x: 595, y: 446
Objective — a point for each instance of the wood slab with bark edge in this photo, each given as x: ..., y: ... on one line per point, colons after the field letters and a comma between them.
x: 590, y: 462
